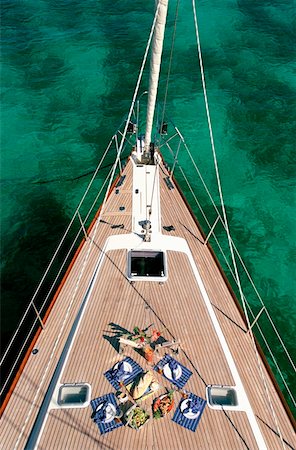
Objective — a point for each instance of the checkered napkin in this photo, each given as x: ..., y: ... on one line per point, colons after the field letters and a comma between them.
x: 194, y: 405
x: 136, y: 370
x: 186, y: 373
x: 105, y: 427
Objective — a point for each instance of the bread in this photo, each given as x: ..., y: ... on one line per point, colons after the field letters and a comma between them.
x: 140, y: 388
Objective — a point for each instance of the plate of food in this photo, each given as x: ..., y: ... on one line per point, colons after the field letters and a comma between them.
x: 186, y: 410
x: 170, y: 374
x: 137, y: 417
x: 110, y: 411
x: 163, y: 405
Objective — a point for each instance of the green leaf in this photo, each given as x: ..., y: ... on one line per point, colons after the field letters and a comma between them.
x: 157, y: 414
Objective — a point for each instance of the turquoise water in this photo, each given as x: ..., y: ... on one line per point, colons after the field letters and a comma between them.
x: 68, y: 73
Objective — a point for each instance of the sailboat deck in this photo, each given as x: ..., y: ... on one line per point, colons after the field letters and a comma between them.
x: 178, y: 310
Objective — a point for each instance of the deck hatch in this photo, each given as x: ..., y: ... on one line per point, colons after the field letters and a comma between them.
x: 222, y: 397
x: 146, y: 264
x: 74, y: 395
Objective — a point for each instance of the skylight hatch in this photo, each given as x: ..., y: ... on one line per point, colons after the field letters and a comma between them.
x: 147, y: 265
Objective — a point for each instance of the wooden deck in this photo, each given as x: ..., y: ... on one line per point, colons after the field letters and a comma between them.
x: 177, y: 308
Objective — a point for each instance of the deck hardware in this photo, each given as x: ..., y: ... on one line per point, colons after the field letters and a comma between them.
x: 222, y: 397
x: 35, y: 351
x: 118, y: 226
x: 169, y: 183
x: 121, y: 208
x: 163, y: 129
x: 211, y: 230
x: 131, y: 128
x: 147, y: 265
x: 74, y: 395
x: 169, y: 228
x: 146, y: 225
x: 120, y: 181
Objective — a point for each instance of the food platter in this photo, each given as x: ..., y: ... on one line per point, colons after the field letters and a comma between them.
x: 162, y: 405
x: 167, y: 371
x: 189, y: 415
x: 137, y: 417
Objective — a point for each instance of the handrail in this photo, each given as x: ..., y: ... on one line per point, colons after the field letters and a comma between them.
x: 167, y: 144
x: 119, y: 151
x: 40, y: 310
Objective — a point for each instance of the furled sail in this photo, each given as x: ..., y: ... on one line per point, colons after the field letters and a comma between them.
x: 155, y: 68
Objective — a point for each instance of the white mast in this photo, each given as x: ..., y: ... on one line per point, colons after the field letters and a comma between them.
x: 155, y: 68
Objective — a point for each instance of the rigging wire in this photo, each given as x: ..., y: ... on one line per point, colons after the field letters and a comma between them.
x: 225, y: 217
x: 57, y: 250
x: 231, y: 271
x: 91, y: 182
x: 170, y: 63
x: 166, y: 143
x: 166, y: 94
x: 115, y: 165
x: 77, y: 177
x: 95, y: 229
x: 47, y: 296
x: 236, y: 250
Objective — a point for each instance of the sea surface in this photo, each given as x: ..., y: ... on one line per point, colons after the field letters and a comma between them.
x: 68, y: 73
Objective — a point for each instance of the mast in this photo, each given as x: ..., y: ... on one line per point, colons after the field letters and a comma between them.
x: 155, y: 68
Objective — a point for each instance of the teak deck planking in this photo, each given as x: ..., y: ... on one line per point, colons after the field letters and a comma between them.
x: 178, y: 310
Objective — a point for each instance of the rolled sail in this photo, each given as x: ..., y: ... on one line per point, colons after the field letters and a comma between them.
x: 155, y: 67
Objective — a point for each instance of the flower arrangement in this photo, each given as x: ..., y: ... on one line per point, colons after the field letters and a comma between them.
x: 143, y: 337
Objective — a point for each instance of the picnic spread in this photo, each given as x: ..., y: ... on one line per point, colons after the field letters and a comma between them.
x: 134, y: 384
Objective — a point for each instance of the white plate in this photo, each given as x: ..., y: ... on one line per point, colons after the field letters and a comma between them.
x: 168, y: 373
x: 110, y: 412
x: 126, y: 367
x: 189, y: 414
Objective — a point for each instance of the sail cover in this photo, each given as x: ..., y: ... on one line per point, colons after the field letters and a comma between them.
x: 155, y: 67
